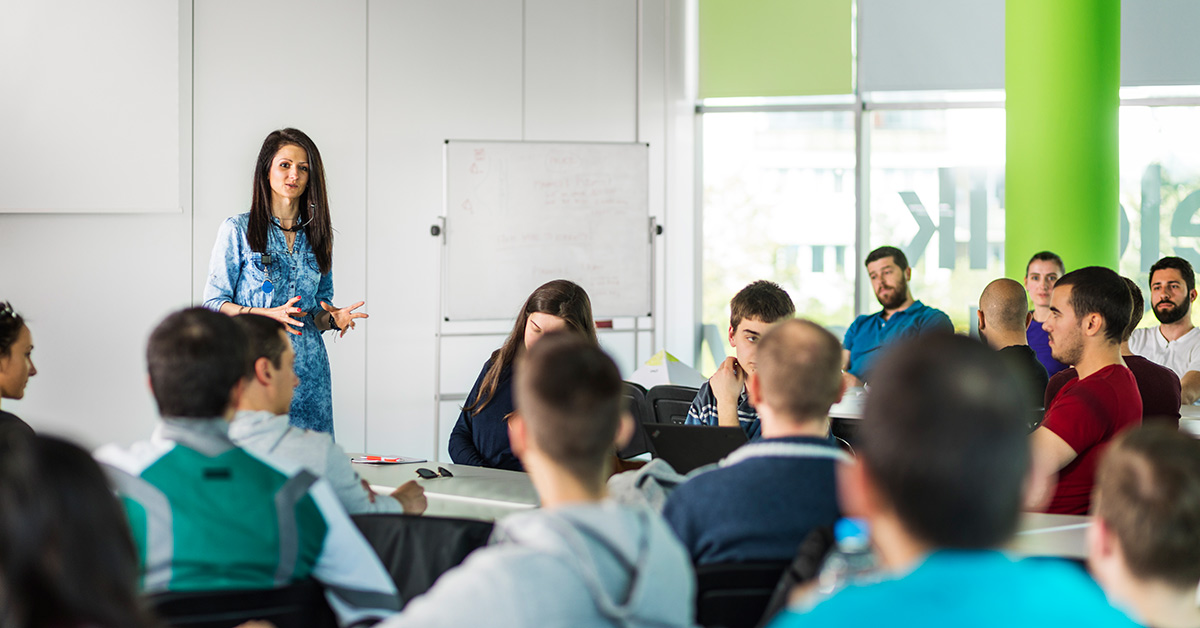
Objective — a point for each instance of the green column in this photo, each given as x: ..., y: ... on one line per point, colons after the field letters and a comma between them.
x: 1062, y: 76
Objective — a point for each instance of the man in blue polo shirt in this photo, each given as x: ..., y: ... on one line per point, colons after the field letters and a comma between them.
x: 901, y: 316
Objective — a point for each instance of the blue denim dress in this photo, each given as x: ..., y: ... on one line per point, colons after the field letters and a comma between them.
x: 237, y: 274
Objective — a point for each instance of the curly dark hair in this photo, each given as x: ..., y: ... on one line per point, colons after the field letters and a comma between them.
x: 10, y: 326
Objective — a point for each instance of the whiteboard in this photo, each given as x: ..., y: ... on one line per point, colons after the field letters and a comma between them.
x: 519, y: 214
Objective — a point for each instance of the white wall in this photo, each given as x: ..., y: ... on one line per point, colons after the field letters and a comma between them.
x: 379, y: 85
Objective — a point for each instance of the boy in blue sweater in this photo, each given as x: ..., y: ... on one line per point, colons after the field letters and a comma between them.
x: 723, y: 399
x: 768, y: 495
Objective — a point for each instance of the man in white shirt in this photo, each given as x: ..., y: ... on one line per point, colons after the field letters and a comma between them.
x: 1175, y: 343
x: 261, y: 425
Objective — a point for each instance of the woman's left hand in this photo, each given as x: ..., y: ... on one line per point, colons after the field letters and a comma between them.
x: 344, y: 317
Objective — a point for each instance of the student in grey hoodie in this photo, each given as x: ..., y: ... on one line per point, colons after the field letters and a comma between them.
x: 581, y: 560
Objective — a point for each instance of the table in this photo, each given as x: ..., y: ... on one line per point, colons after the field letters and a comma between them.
x: 473, y: 492
x: 851, y: 405
x: 1189, y: 420
x: 1062, y: 536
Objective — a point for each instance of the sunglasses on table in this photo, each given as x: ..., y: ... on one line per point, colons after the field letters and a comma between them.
x: 429, y: 475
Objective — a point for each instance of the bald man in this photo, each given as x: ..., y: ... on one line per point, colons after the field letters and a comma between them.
x: 1002, y: 323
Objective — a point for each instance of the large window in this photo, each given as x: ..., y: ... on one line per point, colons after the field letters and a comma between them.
x: 1160, y: 187
x: 936, y: 192
x: 780, y: 189
x: 779, y: 204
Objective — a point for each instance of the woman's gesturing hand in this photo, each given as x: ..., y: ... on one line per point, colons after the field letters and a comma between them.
x: 343, y: 318
x: 284, y: 314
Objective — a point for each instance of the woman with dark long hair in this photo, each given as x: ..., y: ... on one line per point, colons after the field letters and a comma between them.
x: 277, y: 261
x: 480, y: 437
x: 16, y: 361
x: 67, y: 558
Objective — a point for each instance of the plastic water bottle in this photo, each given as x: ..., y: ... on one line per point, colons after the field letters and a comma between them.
x: 851, y: 559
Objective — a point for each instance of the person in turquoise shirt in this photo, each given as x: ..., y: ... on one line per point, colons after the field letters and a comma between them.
x: 941, y: 473
x: 901, y: 317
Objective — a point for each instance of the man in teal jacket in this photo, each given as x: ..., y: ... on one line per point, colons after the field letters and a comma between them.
x: 207, y: 515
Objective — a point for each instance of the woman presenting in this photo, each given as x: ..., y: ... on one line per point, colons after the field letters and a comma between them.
x: 276, y: 261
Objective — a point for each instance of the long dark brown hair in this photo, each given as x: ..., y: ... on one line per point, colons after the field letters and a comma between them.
x: 66, y: 554
x: 561, y: 298
x: 314, y: 203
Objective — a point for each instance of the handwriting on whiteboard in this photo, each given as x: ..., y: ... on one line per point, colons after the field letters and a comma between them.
x: 520, y: 214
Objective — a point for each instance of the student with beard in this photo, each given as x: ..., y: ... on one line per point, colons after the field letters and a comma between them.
x: 1158, y: 385
x: 901, y: 316
x: 1175, y: 343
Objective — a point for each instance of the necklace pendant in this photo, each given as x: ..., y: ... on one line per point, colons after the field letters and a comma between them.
x: 268, y: 287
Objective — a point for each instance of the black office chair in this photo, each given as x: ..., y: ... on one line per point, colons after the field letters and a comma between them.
x: 670, y: 403
x: 734, y: 595
x: 635, y: 403
x: 300, y: 605
x: 846, y: 431
x: 417, y: 549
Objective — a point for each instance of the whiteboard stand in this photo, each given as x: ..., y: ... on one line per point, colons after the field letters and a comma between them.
x: 439, y: 230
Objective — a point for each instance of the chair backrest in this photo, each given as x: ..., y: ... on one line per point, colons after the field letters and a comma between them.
x: 734, y: 595
x: 417, y: 549
x: 300, y: 605
x: 635, y: 403
x: 670, y: 403
x: 805, y: 566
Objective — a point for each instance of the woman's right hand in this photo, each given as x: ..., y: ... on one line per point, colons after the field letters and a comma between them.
x: 284, y: 314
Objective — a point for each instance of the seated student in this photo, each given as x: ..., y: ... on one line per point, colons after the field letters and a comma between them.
x: 943, y: 461
x: 480, y: 437
x: 16, y: 361
x: 207, y: 515
x: 1089, y: 311
x: 768, y: 495
x: 66, y: 557
x: 1042, y: 270
x: 1002, y: 323
x: 1175, y: 343
x: 723, y: 399
x: 261, y: 424
x: 901, y: 316
x: 1158, y: 385
x: 580, y: 560
x: 1144, y: 542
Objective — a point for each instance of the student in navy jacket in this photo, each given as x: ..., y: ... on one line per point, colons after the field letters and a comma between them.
x: 480, y: 437
x: 761, y: 501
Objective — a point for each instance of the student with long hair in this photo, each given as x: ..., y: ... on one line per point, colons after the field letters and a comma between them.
x: 16, y: 361
x: 480, y: 437
x: 277, y: 260
x: 66, y: 555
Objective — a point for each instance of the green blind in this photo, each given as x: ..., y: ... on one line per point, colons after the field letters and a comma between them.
x: 775, y: 48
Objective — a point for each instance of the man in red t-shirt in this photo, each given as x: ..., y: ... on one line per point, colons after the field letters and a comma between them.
x: 1089, y: 311
x: 1158, y: 385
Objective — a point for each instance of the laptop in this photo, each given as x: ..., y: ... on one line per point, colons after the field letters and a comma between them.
x: 687, y: 447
